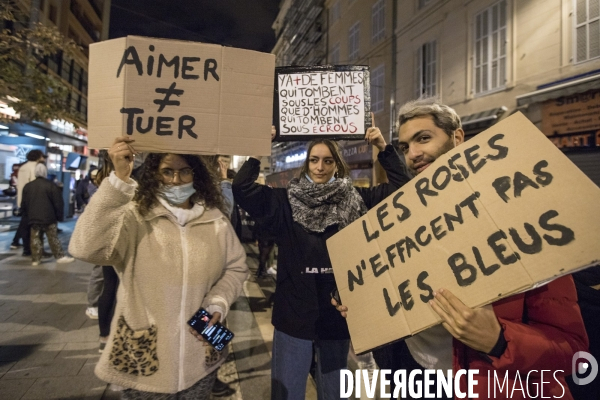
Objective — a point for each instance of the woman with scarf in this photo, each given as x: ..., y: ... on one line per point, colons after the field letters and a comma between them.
x: 302, y: 217
x: 174, y: 252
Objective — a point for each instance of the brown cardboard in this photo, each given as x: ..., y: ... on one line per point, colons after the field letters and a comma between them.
x: 570, y: 193
x: 231, y: 114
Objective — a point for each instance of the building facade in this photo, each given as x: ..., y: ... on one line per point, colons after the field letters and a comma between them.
x: 85, y: 22
x: 301, y: 32
x: 362, y: 33
x: 490, y: 58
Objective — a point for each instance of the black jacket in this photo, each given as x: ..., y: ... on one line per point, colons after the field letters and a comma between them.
x: 42, y: 202
x: 302, y: 307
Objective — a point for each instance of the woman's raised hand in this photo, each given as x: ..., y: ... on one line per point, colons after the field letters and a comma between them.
x: 374, y: 136
x: 121, y: 154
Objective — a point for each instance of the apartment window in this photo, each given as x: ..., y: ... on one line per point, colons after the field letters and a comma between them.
x: 587, y: 29
x: 378, y: 20
x: 353, y: 34
x: 76, y: 76
x: 74, y: 101
x: 423, y: 3
x: 335, y: 54
x: 490, y: 49
x: 84, y: 82
x: 336, y: 12
x: 53, y: 62
x: 65, y: 69
x: 53, y: 14
x: 377, y: 88
x: 426, y: 79
x: 83, y: 106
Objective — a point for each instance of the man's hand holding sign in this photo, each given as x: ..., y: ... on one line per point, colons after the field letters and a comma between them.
x: 478, y: 328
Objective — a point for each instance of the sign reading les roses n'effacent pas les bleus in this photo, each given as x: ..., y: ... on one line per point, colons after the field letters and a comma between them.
x: 180, y: 97
x: 322, y: 102
x: 499, y: 214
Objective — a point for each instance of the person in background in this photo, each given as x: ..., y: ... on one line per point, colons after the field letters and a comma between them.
x: 314, y: 207
x: 92, y: 187
x: 11, y: 190
x: 81, y: 193
x: 96, y: 282
x: 43, y: 206
x: 221, y: 163
x: 266, y: 243
x: 107, y: 300
x: 174, y: 252
x: 25, y: 175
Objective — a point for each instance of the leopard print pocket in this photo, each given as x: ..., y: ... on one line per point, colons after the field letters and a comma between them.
x: 211, y: 356
x: 134, y: 352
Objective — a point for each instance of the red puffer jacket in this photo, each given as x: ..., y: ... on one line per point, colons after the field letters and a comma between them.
x: 552, y: 333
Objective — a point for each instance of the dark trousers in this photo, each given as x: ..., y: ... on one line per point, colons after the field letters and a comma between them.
x: 265, y: 247
x: 108, y: 299
x: 24, y: 234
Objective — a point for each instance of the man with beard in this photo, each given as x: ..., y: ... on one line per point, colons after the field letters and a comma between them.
x: 537, y: 330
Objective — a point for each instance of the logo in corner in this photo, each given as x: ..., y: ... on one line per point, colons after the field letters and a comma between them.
x: 584, y: 364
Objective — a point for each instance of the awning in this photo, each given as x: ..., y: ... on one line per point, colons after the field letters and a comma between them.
x: 481, y: 120
x: 565, y: 89
x: 43, y: 131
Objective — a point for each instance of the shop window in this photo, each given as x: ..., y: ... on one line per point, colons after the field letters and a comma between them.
x: 490, y: 49
x: 378, y: 21
x: 587, y: 29
x: 353, y: 35
x: 377, y: 88
x: 426, y: 68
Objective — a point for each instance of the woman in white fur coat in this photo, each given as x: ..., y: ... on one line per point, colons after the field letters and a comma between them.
x: 175, y: 252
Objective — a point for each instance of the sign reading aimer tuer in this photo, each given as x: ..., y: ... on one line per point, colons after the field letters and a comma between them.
x: 499, y: 214
x: 180, y: 97
x: 322, y: 102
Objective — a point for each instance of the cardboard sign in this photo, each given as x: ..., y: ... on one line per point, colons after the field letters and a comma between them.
x: 322, y: 102
x: 180, y: 97
x: 495, y: 216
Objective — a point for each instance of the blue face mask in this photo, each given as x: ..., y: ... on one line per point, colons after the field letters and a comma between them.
x: 177, y: 194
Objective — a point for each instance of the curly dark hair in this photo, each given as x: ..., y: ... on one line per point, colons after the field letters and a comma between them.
x: 106, y: 167
x: 35, y: 155
x: 206, y: 182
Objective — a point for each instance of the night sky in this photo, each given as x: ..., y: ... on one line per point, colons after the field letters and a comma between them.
x: 237, y: 23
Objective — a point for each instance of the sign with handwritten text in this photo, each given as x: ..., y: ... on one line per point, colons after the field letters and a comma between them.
x: 322, y: 102
x: 499, y: 214
x: 180, y: 97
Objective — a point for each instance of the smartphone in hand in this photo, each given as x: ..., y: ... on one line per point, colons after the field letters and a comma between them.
x: 217, y: 335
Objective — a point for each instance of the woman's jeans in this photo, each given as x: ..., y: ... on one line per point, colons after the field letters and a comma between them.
x: 291, y: 362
